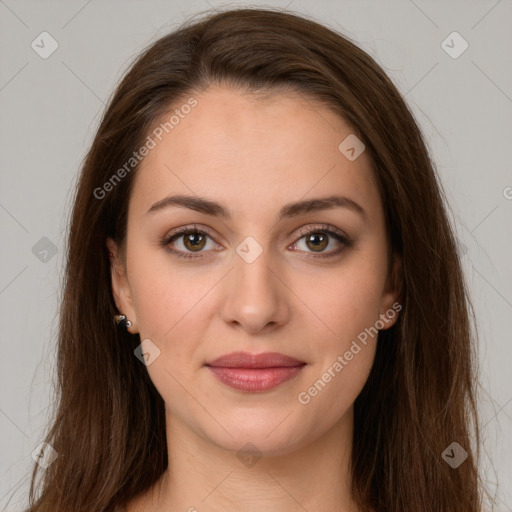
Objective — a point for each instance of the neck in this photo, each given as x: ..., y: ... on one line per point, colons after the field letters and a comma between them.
x: 202, y: 475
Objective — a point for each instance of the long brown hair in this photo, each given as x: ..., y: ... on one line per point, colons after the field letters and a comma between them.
x: 109, y: 424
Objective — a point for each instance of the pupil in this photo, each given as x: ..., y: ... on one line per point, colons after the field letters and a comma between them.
x: 193, y: 239
x: 317, y: 244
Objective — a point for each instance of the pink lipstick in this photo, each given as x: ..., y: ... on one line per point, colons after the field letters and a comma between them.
x: 254, y: 372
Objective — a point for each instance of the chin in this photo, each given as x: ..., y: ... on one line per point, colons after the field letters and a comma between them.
x: 267, y: 436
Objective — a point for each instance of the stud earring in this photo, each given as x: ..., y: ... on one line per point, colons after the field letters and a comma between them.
x: 122, y: 321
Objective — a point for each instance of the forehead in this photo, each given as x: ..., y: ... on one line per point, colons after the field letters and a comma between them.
x: 253, y: 154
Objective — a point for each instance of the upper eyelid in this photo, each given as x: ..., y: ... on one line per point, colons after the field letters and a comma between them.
x: 323, y: 227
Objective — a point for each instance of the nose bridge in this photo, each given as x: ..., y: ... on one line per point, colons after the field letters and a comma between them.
x: 255, y: 297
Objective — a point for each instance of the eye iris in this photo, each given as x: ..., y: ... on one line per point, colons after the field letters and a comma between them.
x: 193, y: 239
x: 313, y: 237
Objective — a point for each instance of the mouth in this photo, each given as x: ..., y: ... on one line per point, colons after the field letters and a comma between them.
x: 255, y: 372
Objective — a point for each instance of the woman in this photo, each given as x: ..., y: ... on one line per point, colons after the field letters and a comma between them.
x: 264, y: 307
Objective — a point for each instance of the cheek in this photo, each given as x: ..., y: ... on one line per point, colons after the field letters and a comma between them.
x: 170, y: 306
x: 345, y: 350
x: 166, y: 298
x: 343, y: 302
x: 331, y: 393
x: 343, y: 331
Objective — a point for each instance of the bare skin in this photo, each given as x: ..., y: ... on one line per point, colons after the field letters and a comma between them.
x: 253, y: 157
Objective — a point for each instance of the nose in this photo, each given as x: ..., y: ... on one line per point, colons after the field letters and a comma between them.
x: 256, y: 297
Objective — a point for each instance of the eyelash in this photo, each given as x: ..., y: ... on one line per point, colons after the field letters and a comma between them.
x: 324, y: 229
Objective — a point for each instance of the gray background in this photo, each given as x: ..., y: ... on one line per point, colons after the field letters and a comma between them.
x: 51, y: 107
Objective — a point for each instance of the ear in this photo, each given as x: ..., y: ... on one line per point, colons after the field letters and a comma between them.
x: 391, y: 303
x: 121, y: 290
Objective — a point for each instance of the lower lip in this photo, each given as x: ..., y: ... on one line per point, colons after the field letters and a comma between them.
x: 255, y: 379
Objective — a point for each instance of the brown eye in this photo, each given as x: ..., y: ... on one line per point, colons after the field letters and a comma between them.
x: 314, y: 242
x: 317, y: 241
x: 194, y: 241
x: 188, y: 243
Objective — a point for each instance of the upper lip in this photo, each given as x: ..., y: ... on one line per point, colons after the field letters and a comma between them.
x: 247, y: 360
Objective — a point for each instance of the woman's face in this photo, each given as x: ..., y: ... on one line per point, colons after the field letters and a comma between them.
x: 253, y: 280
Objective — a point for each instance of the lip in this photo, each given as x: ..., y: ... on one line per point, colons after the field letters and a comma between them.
x: 255, y: 372
x: 247, y: 360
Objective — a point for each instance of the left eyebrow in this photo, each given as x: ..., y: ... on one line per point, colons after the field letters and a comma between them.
x: 321, y: 203
x: 209, y: 207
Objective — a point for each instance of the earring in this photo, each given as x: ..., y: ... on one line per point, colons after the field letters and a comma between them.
x: 122, y: 322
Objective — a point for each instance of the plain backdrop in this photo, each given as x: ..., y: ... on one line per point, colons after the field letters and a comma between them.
x: 51, y: 107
